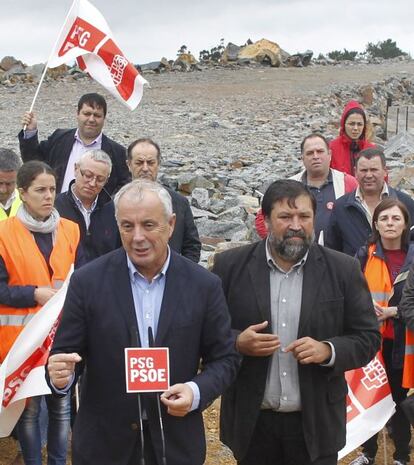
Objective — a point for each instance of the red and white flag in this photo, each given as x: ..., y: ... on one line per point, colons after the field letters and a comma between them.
x: 86, y: 37
x: 22, y: 374
x: 369, y: 404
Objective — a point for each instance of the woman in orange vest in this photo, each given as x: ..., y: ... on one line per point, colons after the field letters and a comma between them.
x: 385, y: 261
x: 37, y: 249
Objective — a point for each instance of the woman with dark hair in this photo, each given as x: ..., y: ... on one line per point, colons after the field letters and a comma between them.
x: 351, y: 140
x: 37, y: 249
x: 385, y: 261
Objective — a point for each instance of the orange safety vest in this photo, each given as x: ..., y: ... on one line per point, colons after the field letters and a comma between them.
x: 379, y: 283
x: 26, y: 266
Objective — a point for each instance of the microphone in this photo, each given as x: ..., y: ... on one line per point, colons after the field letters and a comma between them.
x: 164, y: 458
x: 134, y: 343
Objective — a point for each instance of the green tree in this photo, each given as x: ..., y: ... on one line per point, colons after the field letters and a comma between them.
x: 384, y: 49
x: 341, y: 56
x: 204, y: 55
x: 182, y: 49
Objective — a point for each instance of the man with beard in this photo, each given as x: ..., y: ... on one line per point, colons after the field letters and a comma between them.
x: 303, y: 315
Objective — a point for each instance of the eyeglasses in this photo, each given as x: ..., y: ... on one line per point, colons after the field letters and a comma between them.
x: 89, y: 177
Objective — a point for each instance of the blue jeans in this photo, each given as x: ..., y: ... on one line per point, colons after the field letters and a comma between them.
x: 29, y: 430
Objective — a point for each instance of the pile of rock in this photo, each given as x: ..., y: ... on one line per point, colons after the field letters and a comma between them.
x: 224, y: 190
x: 13, y: 72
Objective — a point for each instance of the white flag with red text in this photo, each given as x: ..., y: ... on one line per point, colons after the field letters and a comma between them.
x: 22, y: 374
x: 86, y: 37
x: 369, y: 403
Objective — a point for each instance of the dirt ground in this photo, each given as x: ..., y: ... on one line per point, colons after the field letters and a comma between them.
x: 217, y: 454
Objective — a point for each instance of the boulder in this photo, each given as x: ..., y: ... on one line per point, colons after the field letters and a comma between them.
x: 17, y: 69
x: 188, y: 182
x: 229, y: 230
x: 57, y: 72
x: 221, y: 247
x: 185, y: 62
x: 198, y: 213
x: 262, y: 51
x: 299, y: 60
x: 9, y: 62
x: 367, y: 94
x: 200, y: 198
x: 230, y: 53
x: 400, y: 146
x: 156, y: 66
x: 36, y: 70
x: 234, y: 213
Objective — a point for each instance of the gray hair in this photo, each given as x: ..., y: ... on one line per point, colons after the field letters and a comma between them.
x: 138, y: 187
x: 9, y: 160
x: 96, y: 155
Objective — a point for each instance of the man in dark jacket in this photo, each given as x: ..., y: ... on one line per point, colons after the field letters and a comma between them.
x: 65, y: 146
x: 303, y: 316
x: 350, y: 222
x: 144, y: 160
x: 90, y: 206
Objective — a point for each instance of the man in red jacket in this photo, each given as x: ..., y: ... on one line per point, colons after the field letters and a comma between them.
x: 352, y: 138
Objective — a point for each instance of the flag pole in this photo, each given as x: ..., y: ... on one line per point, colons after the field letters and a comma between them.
x: 50, y: 54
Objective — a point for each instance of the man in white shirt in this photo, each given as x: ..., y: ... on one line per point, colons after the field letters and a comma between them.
x: 65, y: 146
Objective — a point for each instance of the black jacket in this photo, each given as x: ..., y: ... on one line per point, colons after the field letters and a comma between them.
x: 349, y: 228
x: 336, y: 307
x: 102, y: 235
x: 55, y: 151
x: 98, y: 320
x: 185, y: 239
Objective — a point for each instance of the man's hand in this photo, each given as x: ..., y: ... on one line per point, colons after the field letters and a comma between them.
x: 306, y: 350
x: 178, y: 399
x: 29, y: 121
x: 43, y: 294
x: 61, y: 368
x: 252, y: 342
x: 384, y: 313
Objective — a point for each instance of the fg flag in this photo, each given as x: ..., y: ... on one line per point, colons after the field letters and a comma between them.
x: 86, y: 37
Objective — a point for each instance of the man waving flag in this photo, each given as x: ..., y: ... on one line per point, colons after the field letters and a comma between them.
x: 86, y: 37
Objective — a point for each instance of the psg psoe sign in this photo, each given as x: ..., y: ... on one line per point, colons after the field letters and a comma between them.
x: 147, y: 369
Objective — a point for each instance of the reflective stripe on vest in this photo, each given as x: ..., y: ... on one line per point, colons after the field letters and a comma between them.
x: 378, y: 278
x: 15, y: 320
x: 408, y: 372
x: 409, y: 350
x: 381, y: 296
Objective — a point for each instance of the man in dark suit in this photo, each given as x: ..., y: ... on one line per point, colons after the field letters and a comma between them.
x: 88, y: 204
x: 110, y: 300
x: 144, y: 160
x: 303, y: 315
x: 65, y: 146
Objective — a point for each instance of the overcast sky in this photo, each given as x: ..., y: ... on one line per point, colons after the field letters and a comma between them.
x: 147, y: 30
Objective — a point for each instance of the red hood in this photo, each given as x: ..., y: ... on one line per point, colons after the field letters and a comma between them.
x: 350, y: 106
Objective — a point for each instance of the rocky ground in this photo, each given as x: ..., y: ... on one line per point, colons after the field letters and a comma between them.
x: 223, y: 133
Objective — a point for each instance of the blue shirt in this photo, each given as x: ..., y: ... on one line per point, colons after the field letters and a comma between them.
x: 147, y: 302
x: 147, y: 299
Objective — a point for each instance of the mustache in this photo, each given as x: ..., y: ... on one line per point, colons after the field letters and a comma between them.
x: 291, y: 233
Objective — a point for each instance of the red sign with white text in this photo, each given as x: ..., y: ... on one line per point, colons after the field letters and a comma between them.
x: 147, y: 369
